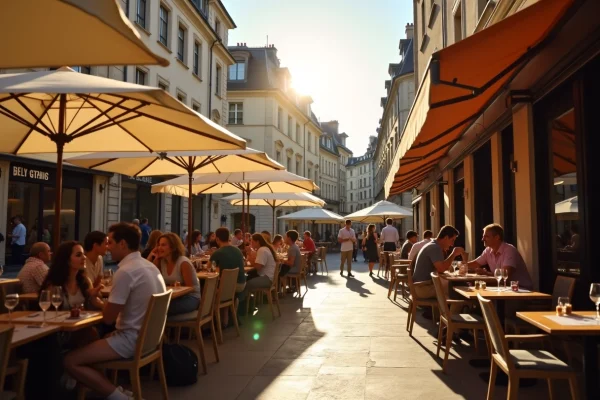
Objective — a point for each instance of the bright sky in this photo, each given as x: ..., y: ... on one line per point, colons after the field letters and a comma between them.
x: 337, y: 51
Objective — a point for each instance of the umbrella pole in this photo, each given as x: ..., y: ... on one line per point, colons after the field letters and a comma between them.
x: 60, y: 139
x: 190, y: 220
x: 273, y: 207
x: 243, y: 227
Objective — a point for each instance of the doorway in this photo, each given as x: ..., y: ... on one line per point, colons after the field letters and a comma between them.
x: 482, y: 196
x: 459, y: 204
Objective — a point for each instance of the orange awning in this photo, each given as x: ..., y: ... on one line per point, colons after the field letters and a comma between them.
x: 460, y: 82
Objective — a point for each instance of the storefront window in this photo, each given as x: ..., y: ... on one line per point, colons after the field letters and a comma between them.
x: 67, y: 213
x: 176, y: 216
x: 23, y: 201
x: 137, y: 201
x: 85, y: 212
x: 566, y: 211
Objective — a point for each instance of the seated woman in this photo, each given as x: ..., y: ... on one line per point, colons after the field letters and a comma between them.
x: 277, y: 243
x: 263, y: 261
x: 196, y: 247
x: 210, y: 242
x: 152, y: 241
x: 174, y: 266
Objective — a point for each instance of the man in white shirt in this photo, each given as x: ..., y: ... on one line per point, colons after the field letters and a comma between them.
x: 414, y: 251
x: 238, y: 238
x: 18, y: 236
x: 390, y: 236
x: 134, y: 283
x: 95, y: 245
x: 347, y: 238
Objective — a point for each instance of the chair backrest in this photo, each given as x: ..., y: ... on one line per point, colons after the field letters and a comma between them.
x: 439, y: 293
x: 227, y: 284
x: 322, y: 253
x: 303, y: 263
x: 209, y: 294
x: 411, y: 285
x: 276, y: 277
x: 563, y: 287
x: 494, y: 328
x: 151, y: 332
x: 6, y: 334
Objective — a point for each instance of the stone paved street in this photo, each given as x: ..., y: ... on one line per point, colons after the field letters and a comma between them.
x: 343, y: 340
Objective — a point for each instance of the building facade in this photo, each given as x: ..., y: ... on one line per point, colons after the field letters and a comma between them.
x: 400, y: 94
x: 272, y: 117
x: 193, y: 36
x: 361, y: 173
x: 525, y: 160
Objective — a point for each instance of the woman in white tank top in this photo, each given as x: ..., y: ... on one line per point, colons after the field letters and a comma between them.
x: 169, y: 257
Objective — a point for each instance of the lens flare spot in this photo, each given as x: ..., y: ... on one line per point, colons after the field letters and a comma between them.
x: 256, y: 336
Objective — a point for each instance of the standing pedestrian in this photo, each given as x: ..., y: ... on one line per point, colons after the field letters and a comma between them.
x: 146, y: 229
x: 346, y: 238
x: 372, y: 252
x: 18, y: 236
x: 389, y: 236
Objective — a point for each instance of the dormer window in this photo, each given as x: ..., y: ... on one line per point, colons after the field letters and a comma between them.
x: 237, y: 71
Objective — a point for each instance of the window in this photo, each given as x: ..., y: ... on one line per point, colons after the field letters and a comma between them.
x: 163, y: 85
x: 236, y: 113
x: 196, y: 107
x: 423, y: 29
x: 140, y: 17
x: 197, y: 57
x: 297, y: 167
x: 163, y: 27
x: 218, y: 27
x: 298, y: 133
x: 316, y: 147
x: 289, y: 127
x: 140, y: 76
x: 351, y: 197
x: 279, y: 118
x: 309, y: 141
x: 218, y: 80
x: 181, y: 33
x: 83, y: 70
x: 181, y: 97
x: 309, y: 174
x: 458, y: 32
x: 351, y: 185
x: 278, y: 156
x: 289, y: 164
x: 201, y: 5
x: 237, y: 71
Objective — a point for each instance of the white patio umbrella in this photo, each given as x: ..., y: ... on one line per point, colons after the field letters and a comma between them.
x: 315, y: 216
x: 380, y: 211
x: 64, y: 111
x: 176, y: 163
x: 53, y: 33
x: 238, y: 182
x: 275, y: 200
x: 567, y: 209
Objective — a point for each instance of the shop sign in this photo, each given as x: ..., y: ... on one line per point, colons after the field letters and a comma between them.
x: 148, y: 180
x: 28, y: 172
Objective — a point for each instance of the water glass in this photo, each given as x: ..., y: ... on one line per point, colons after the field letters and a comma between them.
x: 57, y: 298
x: 107, y: 276
x: 514, y: 285
x: 45, y: 301
x: 505, y: 276
x: 10, y: 302
x: 498, y: 276
x: 595, y: 297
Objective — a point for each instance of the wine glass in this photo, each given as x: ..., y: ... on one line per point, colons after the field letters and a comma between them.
x: 107, y: 276
x: 57, y: 298
x: 10, y: 302
x: 595, y: 297
x: 459, y: 266
x: 1, y: 269
x: 454, y: 265
x: 505, y: 276
x: 498, y: 276
x: 45, y: 301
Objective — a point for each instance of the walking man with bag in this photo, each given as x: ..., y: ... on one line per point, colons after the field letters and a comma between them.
x: 346, y: 238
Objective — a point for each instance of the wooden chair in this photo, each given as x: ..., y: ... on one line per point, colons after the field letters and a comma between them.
x: 270, y: 292
x: 148, y: 348
x: 521, y: 364
x: 454, y: 322
x: 322, y: 259
x: 398, y: 275
x: 414, y: 302
x: 195, y: 320
x: 382, y: 263
x: 226, y: 299
x: 298, y: 276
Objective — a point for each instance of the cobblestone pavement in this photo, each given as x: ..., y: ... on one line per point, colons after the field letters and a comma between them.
x: 342, y: 340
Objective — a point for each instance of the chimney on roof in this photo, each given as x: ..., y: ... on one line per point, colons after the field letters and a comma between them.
x: 410, y: 28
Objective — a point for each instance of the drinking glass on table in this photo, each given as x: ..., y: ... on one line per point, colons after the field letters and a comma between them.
x: 505, y: 276
x: 454, y: 266
x: 45, y: 301
x: 10, y: 302
x: 107, y: 276
x: 595, y: 297
x: 1, y: 269
x: 498, y: 276
x: 57, y: 298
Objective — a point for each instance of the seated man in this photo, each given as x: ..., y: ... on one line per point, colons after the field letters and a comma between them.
x: 499, y: 254
x: 431, y: 259
x: 237, y: 239
x: 411, y: 239
x: 416, y: 248
x: 134, y: 283
x: 309, y: 245
x: 293, y: 263
x: 34, y: 272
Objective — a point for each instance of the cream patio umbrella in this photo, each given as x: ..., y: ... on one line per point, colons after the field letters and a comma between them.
x: 275, y: 200
x: 315, y: 216
x: 53, y: 33
x: 64, y: 111
x: 238, y: 182
x: 176, y: 163
x: 379, y: 212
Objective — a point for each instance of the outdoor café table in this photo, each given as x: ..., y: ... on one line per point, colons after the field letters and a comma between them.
x: 63, y: 321
x: 453, y: 279
x: 7, y: 281
x: 23, y: 334
x: 499, y: 296
x: 178, y: 291
x: 580, y: 323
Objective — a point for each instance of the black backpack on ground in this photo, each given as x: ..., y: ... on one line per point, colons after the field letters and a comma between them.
x: 181, y: 365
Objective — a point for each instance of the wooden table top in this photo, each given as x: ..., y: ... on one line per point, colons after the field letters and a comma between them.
x: 6, y: 281
x: 553, y: 326
x: 178, y: 291
x: 493, y: 294
x: 63, y: 322
x: 466, y: 278
x: 23, y: 334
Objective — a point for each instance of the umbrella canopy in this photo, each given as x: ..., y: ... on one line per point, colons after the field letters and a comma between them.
x: 314, y: 215
x: 69, y: 32
x: 176, y: 163
x: 275, y: 200
x: 379, y: 212
x: 567, y: 206
x: 64, y: 111
x: 238, y: 182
